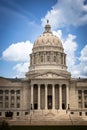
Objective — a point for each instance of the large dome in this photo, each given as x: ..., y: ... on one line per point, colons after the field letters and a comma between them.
x: 48, y: 39
x: 47, y: 55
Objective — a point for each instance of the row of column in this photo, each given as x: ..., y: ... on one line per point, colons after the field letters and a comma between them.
x: 60, y: 58
x: 53, y: 96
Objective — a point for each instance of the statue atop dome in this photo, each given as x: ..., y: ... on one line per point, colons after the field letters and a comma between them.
x: 47, y: 21
x: 47, y: 27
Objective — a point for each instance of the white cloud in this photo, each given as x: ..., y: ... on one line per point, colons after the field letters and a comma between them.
x: 83, y: 57
x: 68, y: 12
x: 18, y: 51
x: 70, y: 46
x: 58, y: 33
x: 21, y: 69
x: 82, y: 67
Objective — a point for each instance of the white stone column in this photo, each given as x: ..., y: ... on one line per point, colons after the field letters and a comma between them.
x: 67, y: 96
x: 45, y: 96
x: 60, y: 97
x: 53, y: 95
x: 38, y: 96
x: 9, y: 99
x: 3, y: 98
x: 82, y: 98
x: 15, y: 101
x: 32, y: 95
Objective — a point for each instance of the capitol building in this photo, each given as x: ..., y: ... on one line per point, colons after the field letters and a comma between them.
x: 48, y: 87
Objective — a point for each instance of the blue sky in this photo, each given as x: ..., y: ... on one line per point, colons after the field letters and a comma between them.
x: 22, y: 21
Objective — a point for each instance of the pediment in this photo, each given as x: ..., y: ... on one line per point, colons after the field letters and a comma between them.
x: 50, y: 76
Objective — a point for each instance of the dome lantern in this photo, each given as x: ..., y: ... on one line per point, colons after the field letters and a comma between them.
x: 47, y: 27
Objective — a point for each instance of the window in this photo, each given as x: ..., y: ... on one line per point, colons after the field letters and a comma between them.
x: 18, y: 97
x: 6, y: 91
x: 12, y: 97
x: 0, y: 113
x: 85, y: 97
x: 12, y: 91
x: 85, y: 105
x: 41, y: 58
x: 12, y: 105
x: 85, y: 113
x: 26, y: 113
x: 54, y: 58
x: 18, y: 105
x: 1, y: 105
x: 1, y: 98
x: 85, y: 92
x: 72, y: 113
x: 1, y: 91
x: 18, y: 91
x: 79, y: 97
x: 6, y: 105
x: 6, y: 98
x: 79, y: 91
x: 17, y: 113
x: 48, y: 58
x: 79, y: 104
x: 80, y: 113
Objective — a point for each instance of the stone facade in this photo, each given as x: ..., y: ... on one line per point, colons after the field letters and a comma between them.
x: 47, y: 86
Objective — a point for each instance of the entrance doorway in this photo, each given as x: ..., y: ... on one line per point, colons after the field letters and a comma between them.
x: 49, y: 101
x: 35, y: 106
x: 63, y: 106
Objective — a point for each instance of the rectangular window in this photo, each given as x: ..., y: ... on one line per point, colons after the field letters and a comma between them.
x: 80, y: 113
x: 72, y: 113
x: 12, y: 97
x: 18, y: 97
x: 79, y: 104
x: 1, y: 91
x: 0, y: 113
x: 54, y: 58
x: 79, y: 97
x: 12, y: 92
x: 79, y: 91
x: 85, y: 113
x: 1, y: 104
x: 85, y: 104
x: 6, y: 105
x: 18, y: 91
x: 85, y: 91
x: 6, y: 91
x: 18, y: 105
x: 41, y: 58
x: 17, y: 113
x: 12, y: 105
x: 6, y: 98
x: 1, y: 98
x: 26, y: 113
x: 85, y: 97
x: 48, y: 58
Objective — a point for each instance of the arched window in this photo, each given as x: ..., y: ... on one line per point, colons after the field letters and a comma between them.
x: 54, y: 58
x: 48, y: 58
x: 41, y: 58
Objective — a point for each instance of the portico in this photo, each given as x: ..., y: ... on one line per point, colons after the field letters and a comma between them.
x: 49, y: 96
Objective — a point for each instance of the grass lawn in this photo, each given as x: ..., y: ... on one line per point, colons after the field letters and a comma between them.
x: 49, y: 128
